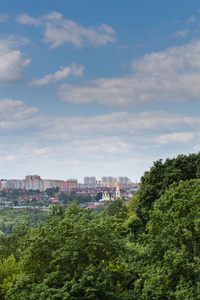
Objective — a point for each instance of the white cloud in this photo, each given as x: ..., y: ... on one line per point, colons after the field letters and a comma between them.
x: 181, y: 33
x: 12, y: 63
x: 11, y: 42
x: 192, y: 19
x: 59, y: 31
x: 170, y: 75
x: 176, y: 137
x: 73, y: 69
x: 41, y: 151
x: 11, y: 66
x: 16, y: 115
x: 70, y: 32
x: 106, y: 28
x: 25, y: 19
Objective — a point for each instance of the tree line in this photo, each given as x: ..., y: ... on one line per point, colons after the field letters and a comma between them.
x: 10, y: 218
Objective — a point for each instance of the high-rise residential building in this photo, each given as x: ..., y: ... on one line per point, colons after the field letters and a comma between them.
x: 92, y: 180
x: 33, y: 182
x: 32, y: 177
x: 109, y: 181
x: 4, y: 184
x: 61, y: 184
x: 103, y: 179
x: 71, y: 183
x: 124, y: 180
x: 14, y: 184
x: 86, y: 180
x: 48, y: 184
x: 89, y: 181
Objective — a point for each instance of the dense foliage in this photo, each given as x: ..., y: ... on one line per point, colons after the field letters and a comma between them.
x: 68, y: 197
x: 75, y: 255
x: 10, y: 217
x: 149, y: 249
x: 172, y: 245
x: 161, y: 175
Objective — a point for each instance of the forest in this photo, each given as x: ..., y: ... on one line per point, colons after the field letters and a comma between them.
x: 146, y: 249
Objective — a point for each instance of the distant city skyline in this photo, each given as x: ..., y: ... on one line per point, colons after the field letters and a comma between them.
x: 35, y: 182
x: 91, y: 179
x: 97, y: 87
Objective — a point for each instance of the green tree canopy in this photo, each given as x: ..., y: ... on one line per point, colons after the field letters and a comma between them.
x: 117, y: 208
x: 161, y: 175
x: 8, y: 271
x: 170, y: 251
x: 75, y: 255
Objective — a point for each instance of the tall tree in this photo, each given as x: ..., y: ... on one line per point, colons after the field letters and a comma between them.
x: 170, y: 251
x: 161, y: 175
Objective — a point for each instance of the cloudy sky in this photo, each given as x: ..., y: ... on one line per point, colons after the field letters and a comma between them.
x: 94, y: 88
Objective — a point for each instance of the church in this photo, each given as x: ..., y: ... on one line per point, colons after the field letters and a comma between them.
x: 106, y: 196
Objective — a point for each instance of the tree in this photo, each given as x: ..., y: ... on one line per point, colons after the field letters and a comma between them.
x: 117, y: 208
x: 63, y: 196
x: 10, y: 244
x: 3, y: 193
x: 57, y: 189
x: 16, y: 193
x: 98, y: 196
x: 98, y: 209
x: 50, y: 192
x: 161, y: 175
x: 170, y: 251
x: 75, y: 255
x: 8, y: 271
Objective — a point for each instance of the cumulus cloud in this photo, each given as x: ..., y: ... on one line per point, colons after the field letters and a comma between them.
x: 59, y: 31
x: 12, y: 62
x: 170, y: 75
x: 11, y: 66
x: 64, y: 72
x: 15, y: 115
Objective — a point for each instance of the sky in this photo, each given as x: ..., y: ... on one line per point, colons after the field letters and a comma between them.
x: 97, y: 88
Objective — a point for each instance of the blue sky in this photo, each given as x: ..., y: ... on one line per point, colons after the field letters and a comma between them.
x: 94, y: 88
